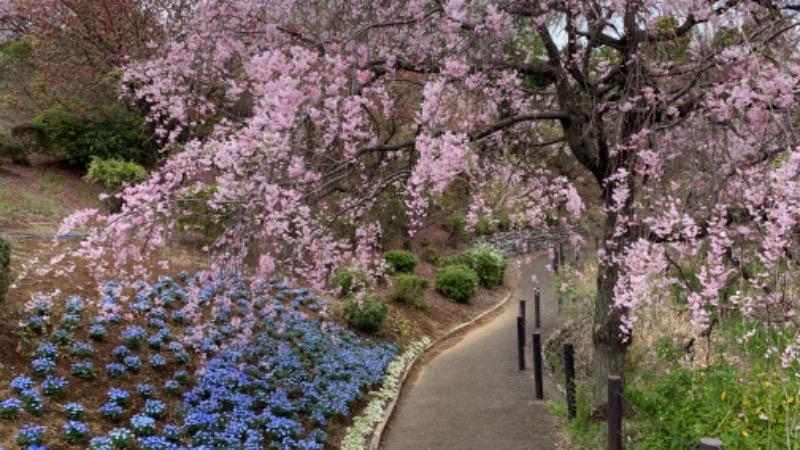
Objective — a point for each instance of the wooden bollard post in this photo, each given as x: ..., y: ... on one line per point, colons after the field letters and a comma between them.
x: 614, y: 412
x: 537, y: 365
x: 537, y: 309
x: 569, y: 373
x: 708, y: 443
x: 521, y: 341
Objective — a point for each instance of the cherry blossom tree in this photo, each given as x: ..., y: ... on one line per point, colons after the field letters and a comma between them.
x: 292, y: 115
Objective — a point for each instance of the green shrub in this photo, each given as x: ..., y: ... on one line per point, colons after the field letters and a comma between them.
x: 113, y: 173
x: 488, y: 263
x: 350, y: 280
x: 456, y: 224
x: 12, y: 147
x: 106, y: 132
x: 409, y: 289
x: 503, y: 221
x: 483, y: 227
x: 456, y: 259
x: 458, y: 282
x: 400, y: 261
x: 369, y: 317
x: 5, y: 270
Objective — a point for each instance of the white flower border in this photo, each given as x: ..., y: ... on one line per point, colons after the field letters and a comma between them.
x: 364, y: 425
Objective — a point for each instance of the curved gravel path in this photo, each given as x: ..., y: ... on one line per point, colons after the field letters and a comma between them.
x: 473, y: 395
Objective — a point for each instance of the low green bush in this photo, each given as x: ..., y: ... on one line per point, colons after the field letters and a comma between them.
x: 113, y: 173
x: 5, y: 270
x: 12, y: 147
x: 410, y: 289
x: 350, y: 280
x: 483, y: 227
x: 456, y: 224
x: 400, y: 261
x: 368, y: 316
x: 107, y: 132
x: 488, y: 263
x: 458, y: 282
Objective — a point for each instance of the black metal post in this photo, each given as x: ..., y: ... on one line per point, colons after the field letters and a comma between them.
x: 560, y: 252
x: 708, y: 443
x: 537, y: 365
x: 522, y: 309
x: 569, y: 372
x: 614, y: 412
x: 521, y: 341
x: 555, y: 259
x: 537, y: 309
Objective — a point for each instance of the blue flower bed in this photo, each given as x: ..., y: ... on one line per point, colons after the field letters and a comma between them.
x: 274, y: 372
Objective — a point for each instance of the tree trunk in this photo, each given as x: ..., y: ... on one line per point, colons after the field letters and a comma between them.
x: 609, y: 349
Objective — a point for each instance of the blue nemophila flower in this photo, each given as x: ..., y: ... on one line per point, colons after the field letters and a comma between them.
x: 70, y: 321
x: 54, y: 386
x: 179, y: 317
x: 34, y: 323
x: 74, y: 305
x: 47, y: 350
x: 155, y: 443
x: 158, y: 362
x: 119, y: 396
x: 171, y: 387
x: 111, y: 411
x: 75, y: 432
x: 114, y: 318
x: 42, y: 307
x: 145, y: 390
x: 21, y: 384
x: 61, y: 336
x: 9, y: 408
x: 30, y: 435
x: 176, y: 347
x: 133, y: 363
x: 115, y: 370
x: 164, y: 333
x: 155, y: 408
x: 157, y: 322
x: 133, y: 335
x: 182, y: 357
x: 82, y: 369
x: 101, y: 443
x: 120, y: 352
x: 182, y: 377
x: 98, y: 331
x: 82, y: 349
x: 32, y: 401
x: 173, y: 433
x: 74, y: 411
x: 155, y: 341
x: 143, y: 425
x: 43, y: 366
x: 158, y: 313
x: 121, y: 437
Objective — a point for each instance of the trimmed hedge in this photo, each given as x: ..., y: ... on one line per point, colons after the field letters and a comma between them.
x: 488, y: 263
x: 350, y: 280
x: 458, y: 282
x: 369, y: 316
x: 400, y: 261
x: 410, y: 289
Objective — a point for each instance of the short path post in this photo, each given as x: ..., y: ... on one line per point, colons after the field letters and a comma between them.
x: 560, y: 252
x: 522, y: 309
x: 708, y: 443
x: 614, y: 412
x: 537, y: 309
x: 569, y: 372
x: 523, y: 312
x: 521, y: 341
x: 555, y: 259
x: 537, y: 365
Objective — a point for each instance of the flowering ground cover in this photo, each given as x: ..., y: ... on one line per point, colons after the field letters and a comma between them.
x: 193, y: 362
